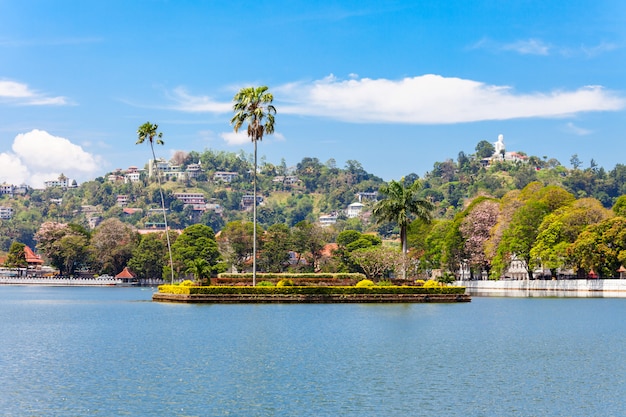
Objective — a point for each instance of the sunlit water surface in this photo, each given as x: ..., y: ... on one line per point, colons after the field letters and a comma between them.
x: 113, y: 352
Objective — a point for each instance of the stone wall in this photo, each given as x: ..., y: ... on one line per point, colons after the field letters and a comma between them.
x: 608, y: 288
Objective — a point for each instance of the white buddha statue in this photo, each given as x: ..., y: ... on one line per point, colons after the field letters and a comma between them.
x: 499, y: 145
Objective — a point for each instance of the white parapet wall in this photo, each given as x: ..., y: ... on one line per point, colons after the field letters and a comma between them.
x: 608, y: 288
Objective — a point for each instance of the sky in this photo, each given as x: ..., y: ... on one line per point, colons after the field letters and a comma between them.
x: 394, y: 85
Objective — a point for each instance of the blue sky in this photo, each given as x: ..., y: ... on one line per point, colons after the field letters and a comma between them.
x: 395, y: 85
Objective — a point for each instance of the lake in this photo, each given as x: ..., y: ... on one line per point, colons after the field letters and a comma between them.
x: 78, y: 351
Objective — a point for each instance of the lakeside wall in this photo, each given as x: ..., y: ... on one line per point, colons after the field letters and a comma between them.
x: 576, y: 288
x: 78, y: 282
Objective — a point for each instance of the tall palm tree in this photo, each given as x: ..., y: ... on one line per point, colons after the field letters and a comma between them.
x: 253, y: 106
x: 150, y: 132
x: 401, y: 206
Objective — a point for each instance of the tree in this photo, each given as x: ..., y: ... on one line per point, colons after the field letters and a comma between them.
x: 16, y: 257
x: 475, y: 229
x: 308, y: 240
x: 65, y: 245
x: 196, y: 242
x: 149, y: 256
x: 484, y: 149
x: 401, y: 205
x: 112, y: 245
x: 150, y: 132
x: 276, y: 245
x: 235, y: 242
x: 601, y: 247
x: 252, y: 106
x: 200, y: 269
x: 377, y: 261
x: 561, y: 228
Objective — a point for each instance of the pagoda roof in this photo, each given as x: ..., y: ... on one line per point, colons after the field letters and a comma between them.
x: 30, y: 256
x: 125, y: 274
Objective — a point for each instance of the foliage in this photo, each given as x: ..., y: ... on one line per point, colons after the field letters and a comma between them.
x: 378, y: 261
x: 285, y: 282
x: 16, y: 257
x: 310, y: 290
x: 111, y: 246
x: 197, y: 242
x: 265, y: 284
x: 401, y: 205
x: 365, y: 283
x: 149, y: 257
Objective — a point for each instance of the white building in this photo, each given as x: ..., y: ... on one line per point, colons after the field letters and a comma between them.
x: 6, y: 213
x: 224, y: 176
x: 328, y: 219
x: 354, y: 210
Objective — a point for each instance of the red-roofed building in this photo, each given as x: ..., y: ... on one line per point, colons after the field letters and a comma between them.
x: 126, y: 275
x: 33, y: 260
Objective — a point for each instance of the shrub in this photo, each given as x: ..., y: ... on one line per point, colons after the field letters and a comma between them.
x: 420, y: 282
x: 285, y: 283
x: 431, y: 283
x: 265, y: 284
x: 365, y: 283
x: 385, y: 283
x: 187, y: 283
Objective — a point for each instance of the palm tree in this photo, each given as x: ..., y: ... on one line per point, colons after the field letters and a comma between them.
x: 150, y: 132
x: 200, y: 269
x: 253, y: 106
x: 401, y: 206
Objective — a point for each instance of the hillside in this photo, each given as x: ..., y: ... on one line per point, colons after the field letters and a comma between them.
x: 222, y: 180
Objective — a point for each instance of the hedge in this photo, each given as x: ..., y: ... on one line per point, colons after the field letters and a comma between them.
x: 308, y: 290
x: 269, y: 276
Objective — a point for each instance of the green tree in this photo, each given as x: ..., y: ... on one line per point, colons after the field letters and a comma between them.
x: 484, y: 149
x: 401, y: 206
x: 235, y: 243
x: 16, y: 257
x: 601, y: 247
x: 149, y: 131
x: 149, y: 256
x: 196, y: 242
x: 200, y: 269
x: 276, y: 246
x: 253, y: 106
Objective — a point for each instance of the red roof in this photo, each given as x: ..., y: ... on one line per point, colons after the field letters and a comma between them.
x: 125, y: 274
x: 31, y: 258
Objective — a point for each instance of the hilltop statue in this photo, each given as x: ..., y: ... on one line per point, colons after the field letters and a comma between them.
x: 499, y: 146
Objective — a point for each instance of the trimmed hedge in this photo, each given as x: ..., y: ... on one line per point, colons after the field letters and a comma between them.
x: 309, y: 290
x: 270, y: 276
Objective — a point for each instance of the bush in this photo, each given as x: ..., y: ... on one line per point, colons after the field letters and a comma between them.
x: 187, y: 283
x: 285, y: 283
x: 431, y: 283
x: 265, y: 284
x: 385, y: 283
x: 365, y: 283
x: 420, y: 282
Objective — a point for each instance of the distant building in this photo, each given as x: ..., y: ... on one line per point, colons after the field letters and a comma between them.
x: 195, y: 200
x: 354, y: 210
x: 328, y: 219
x: 224, y: 176
x: 193, y: 170
x: 6, y: 213
x: 122, y: 200
x: 61, y: 182
x: 247, y: 201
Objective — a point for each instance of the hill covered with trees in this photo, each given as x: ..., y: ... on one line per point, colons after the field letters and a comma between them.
x: 510, y: 196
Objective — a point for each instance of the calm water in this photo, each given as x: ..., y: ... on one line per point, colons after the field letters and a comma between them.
x: 113, y: 352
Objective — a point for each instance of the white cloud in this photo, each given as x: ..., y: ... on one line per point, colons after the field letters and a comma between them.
x: 21, y: 94
x: 528, y: 47
x: 577, y: 130
x: 38, y: 156
x: 434, y: 99
x: 234, y: 139
x: 198, y: 104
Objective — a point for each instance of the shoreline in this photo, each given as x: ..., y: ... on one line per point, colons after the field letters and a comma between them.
x: 574, y: 288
